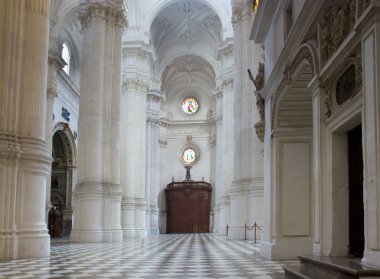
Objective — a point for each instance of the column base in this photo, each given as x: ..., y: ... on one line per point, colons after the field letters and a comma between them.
x: 152, y: 220
x: 97, y: 213
x: 133, y: 217
x: 287, y: 248
x: 371, y: 258
x: 27, y: 245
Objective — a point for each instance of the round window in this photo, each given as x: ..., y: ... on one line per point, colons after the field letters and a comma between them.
x: 190, y: 105
x: 189, y: 155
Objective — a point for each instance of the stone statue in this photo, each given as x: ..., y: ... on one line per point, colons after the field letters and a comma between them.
x: 259, y: 80
x: 260, y: 102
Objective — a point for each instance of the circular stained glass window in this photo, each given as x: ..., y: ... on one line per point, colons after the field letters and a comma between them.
x: 190, y: 105
x: 189, y: 155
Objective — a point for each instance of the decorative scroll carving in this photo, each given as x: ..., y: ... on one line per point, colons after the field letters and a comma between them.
x: 334, y: 26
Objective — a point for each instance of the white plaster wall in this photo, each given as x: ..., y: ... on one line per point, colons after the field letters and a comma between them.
x: 174, y: 165
x: 69, y: 100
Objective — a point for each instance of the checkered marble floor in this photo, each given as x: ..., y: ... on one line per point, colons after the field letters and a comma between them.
x: 164, y: 256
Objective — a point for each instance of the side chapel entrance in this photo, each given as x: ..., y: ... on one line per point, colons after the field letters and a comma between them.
x: 356, y: 207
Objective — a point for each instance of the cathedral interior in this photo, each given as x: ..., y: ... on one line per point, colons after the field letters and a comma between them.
x: 190, y: 139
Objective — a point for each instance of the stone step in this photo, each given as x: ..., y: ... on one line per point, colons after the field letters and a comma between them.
x: 294, y: 272
x: 336, y: 267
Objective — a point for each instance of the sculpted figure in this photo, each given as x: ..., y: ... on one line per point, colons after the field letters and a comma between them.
x: 259, y: 80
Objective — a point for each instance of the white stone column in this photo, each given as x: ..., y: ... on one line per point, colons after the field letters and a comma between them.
x: 371, y: 138
x: 152, y: 182
x: 98, y: 194
x: 24, y: 157
x: 246, y: 192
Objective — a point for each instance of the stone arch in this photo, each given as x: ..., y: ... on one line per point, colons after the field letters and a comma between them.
x: 69, y: 141
x: 63, y: 169
x: 297, y: 76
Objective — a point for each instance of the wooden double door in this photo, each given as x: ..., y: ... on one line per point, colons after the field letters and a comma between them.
x: 188, y: 207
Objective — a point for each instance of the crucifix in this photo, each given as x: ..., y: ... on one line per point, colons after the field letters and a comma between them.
x: 188, y: 175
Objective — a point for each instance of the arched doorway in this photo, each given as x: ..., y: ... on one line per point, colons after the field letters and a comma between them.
x: 63, y: 167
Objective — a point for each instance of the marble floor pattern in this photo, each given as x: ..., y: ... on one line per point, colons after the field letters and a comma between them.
x: 163, y: 256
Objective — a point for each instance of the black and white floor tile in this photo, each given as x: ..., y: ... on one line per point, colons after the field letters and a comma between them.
x: 164, y: 256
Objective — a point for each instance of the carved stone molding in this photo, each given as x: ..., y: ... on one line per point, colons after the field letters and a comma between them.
x: 154, y: 122
x: 344, y: 86
x: 241, y: 11
x: 143, y: 51
x: 227, y: 83
x: 51, y: 91
x: 336, y: 23
x: 56, y: 60
x: 155, y: 96
x: 162, y: 142
x: 139, y: 85
x: 164, y: 23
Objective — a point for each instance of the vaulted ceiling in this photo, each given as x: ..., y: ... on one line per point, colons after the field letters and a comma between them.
x: 185, y: 36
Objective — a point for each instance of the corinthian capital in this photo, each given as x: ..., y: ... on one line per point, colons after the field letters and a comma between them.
x: 111, y: 11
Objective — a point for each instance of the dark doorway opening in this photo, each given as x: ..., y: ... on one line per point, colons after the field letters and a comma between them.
x: 356, y: 205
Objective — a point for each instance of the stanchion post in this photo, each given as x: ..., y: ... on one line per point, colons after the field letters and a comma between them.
x: 245, y: 231
x: 255, y: 231
x: 227, y: 230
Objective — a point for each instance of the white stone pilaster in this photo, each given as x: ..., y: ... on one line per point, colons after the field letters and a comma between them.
x: 97, y: 196
x: 152, y: 182
x: 137, y: 60
x: 24, y: 158
x: 371, y: 139
x: 246, y: 192
x: 223, y: 116
x: 163, y: 149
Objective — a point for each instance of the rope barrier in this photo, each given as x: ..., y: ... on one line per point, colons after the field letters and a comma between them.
x: 247, y: 227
